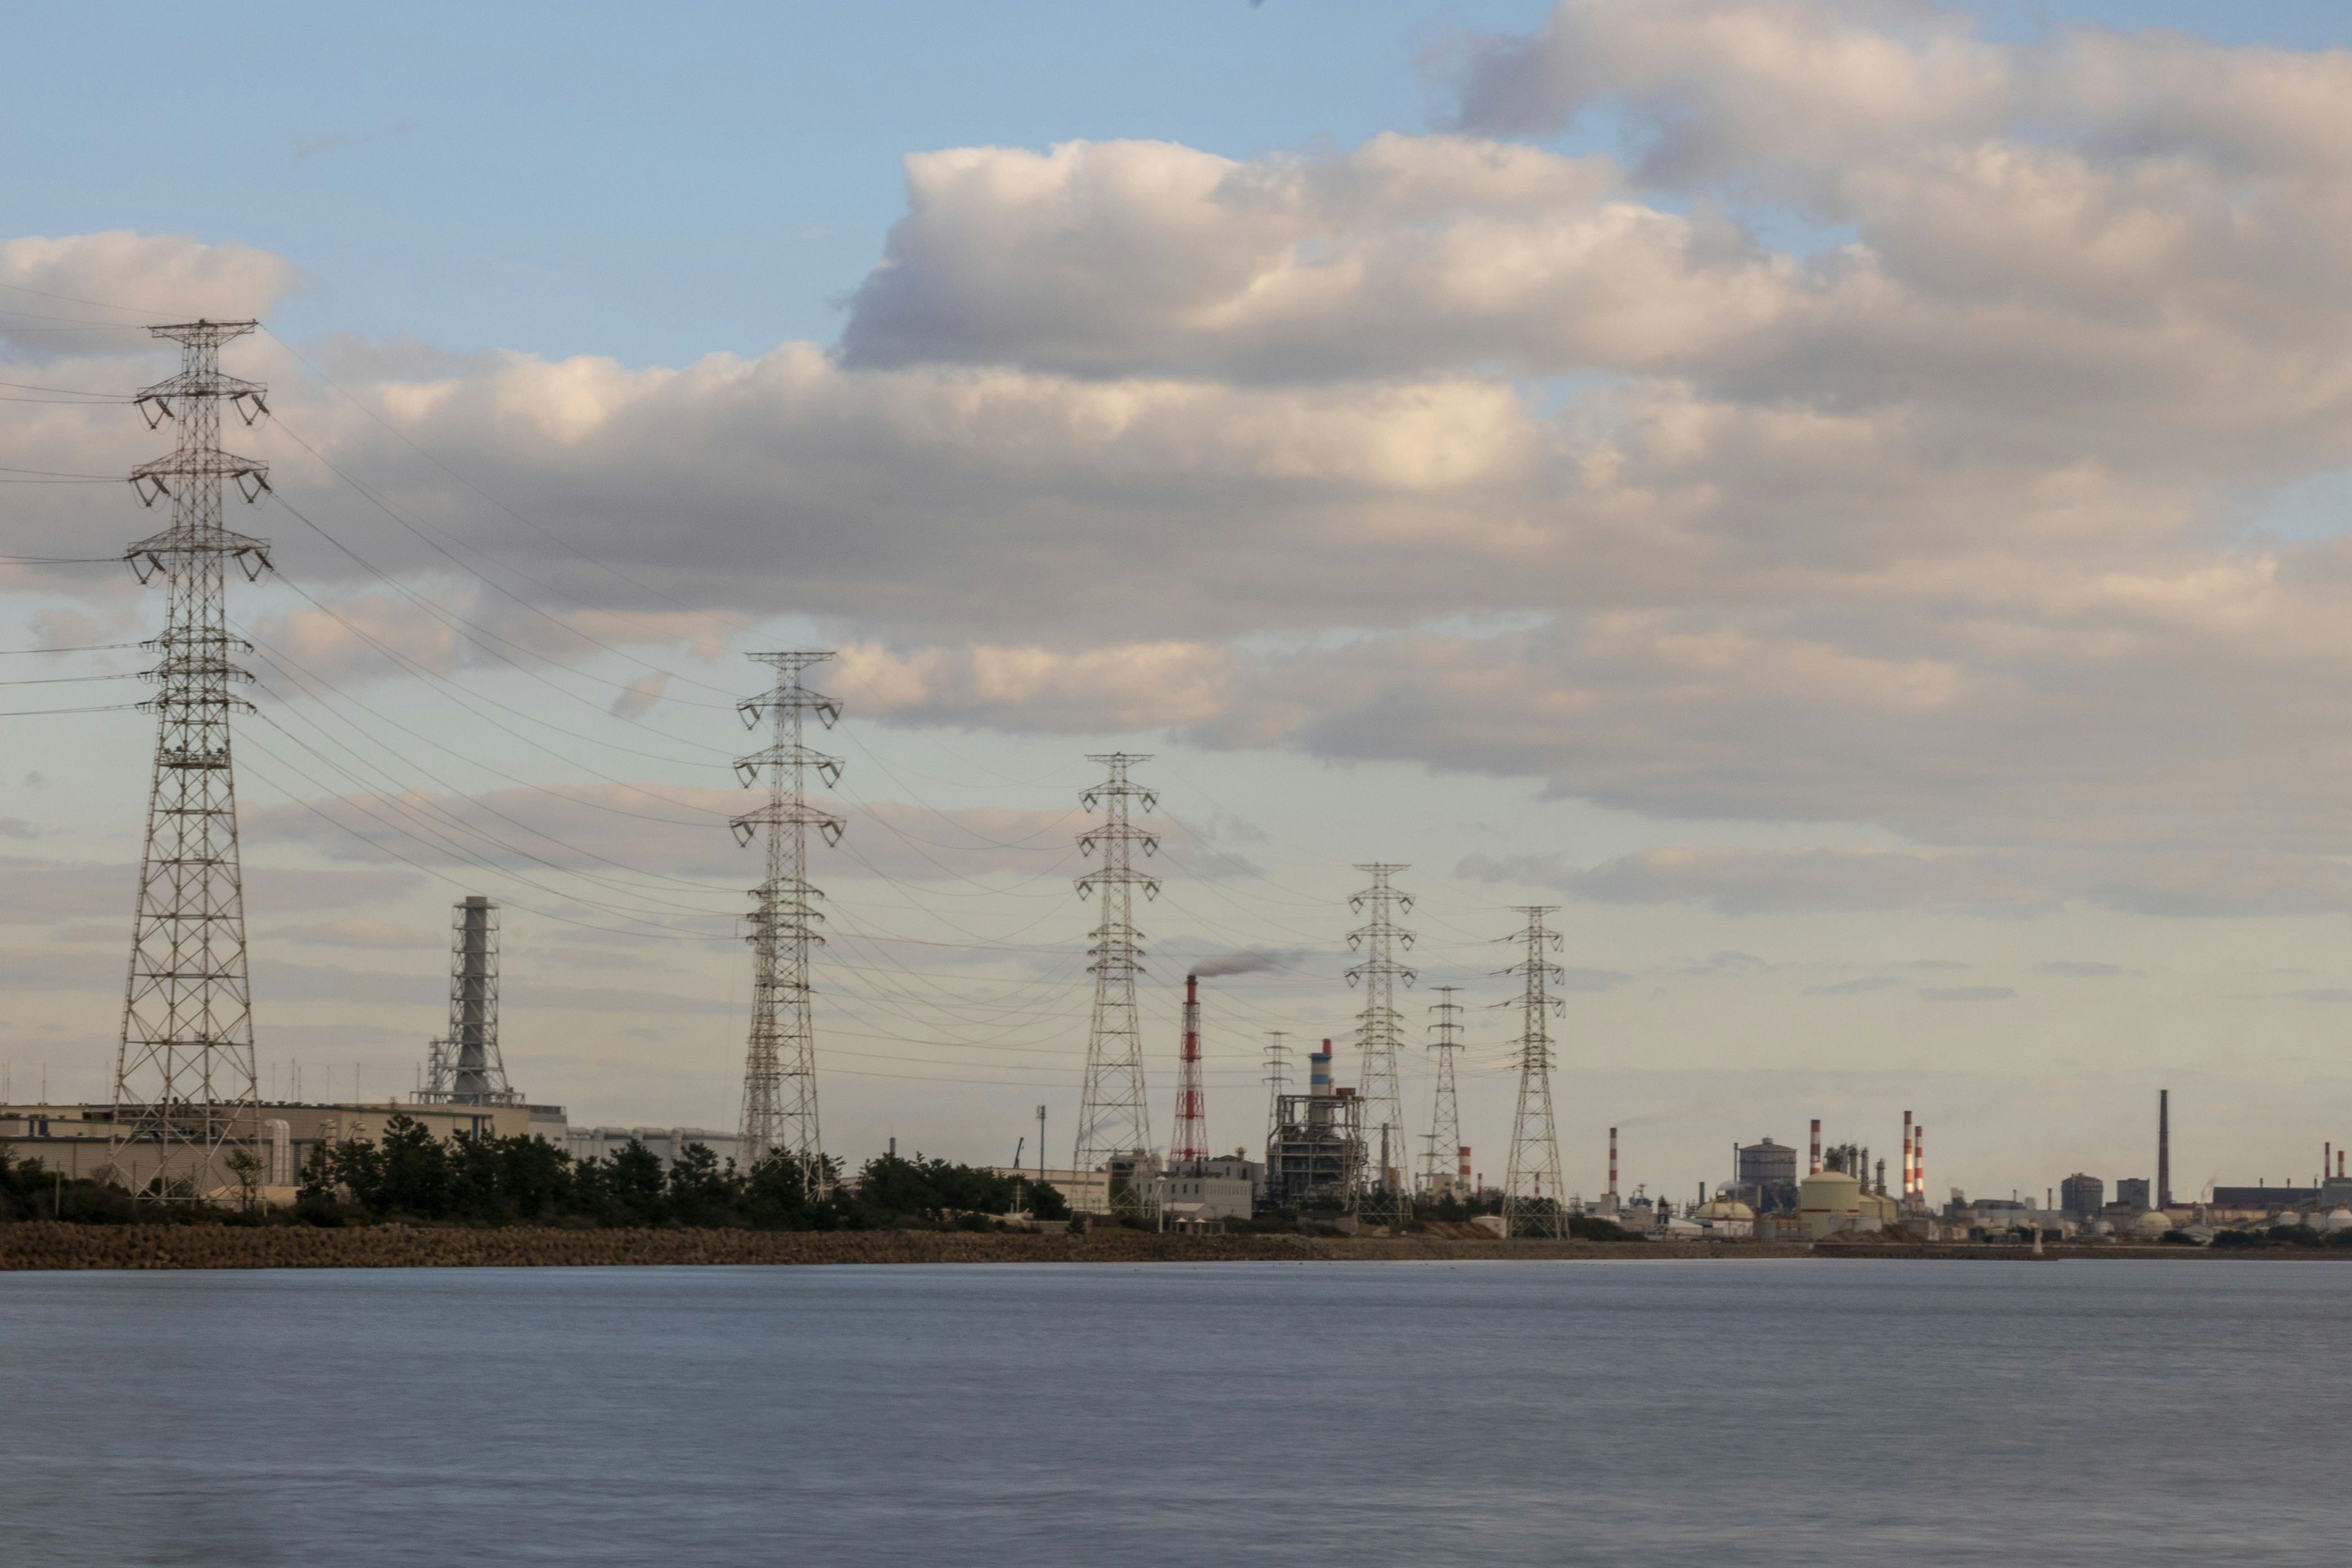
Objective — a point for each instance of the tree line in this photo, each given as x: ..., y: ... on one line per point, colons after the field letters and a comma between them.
x: 409, y: 1175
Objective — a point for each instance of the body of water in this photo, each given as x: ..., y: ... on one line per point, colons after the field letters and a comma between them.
x: 1669, y: 1413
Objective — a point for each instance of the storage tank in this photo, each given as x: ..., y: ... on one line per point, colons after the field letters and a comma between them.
x: 1829, y: 1201
x: 2151, y: 1225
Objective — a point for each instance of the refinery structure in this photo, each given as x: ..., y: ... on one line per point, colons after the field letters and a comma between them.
x: 188, y: 1123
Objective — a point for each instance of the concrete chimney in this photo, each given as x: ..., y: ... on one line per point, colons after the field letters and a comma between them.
x: 1817, y: 1147
x: 2164, y: 1148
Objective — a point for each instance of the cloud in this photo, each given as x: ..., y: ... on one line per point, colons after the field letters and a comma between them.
x: 137, y: 277
x: 1857, y: 987
x: 1929, y: 531
x: 2010, y: 883
x: 1966, y: 994
x: 636, y: 835
x: 2080, y: 970
x: 359, y: 932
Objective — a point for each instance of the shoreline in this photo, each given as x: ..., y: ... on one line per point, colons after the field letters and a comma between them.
x: 41, y: 1246
x: 47, y: 1247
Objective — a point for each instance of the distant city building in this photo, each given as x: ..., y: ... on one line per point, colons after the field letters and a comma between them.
x: 2132, y: 1192
x: 2082, y: 1195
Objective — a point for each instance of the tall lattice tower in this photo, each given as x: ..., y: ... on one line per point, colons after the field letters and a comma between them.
x: 1534, y: 1202
x: 1113, y: 1118
x: 464, y: 1066
x: 184, y: 1094
x: 1380, y: 1032
x: 779, y: 1066
x: 1446, y: 1119
x: 1277, y: 1081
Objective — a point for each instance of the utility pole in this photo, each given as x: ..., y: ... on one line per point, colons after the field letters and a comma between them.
x: 184, y: 1087
x: 1113, y: 1118
x: 780, y: 1065
x: 1040, y: 1145
x: 1379, y: 1030
x: 1534, y: 1140
x: 1445, y: 1123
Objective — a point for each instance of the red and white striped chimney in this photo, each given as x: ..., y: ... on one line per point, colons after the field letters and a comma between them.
x: 1906, y: 1155
x: 1919, y: 1159
x: 1613, y: 1162
x: 1465, y: 1154
x: 1817, y: 1147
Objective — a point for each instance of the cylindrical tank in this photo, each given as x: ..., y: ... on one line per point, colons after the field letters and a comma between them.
x: 1829, y: 1201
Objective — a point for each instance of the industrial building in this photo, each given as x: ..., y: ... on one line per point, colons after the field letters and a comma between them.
x: 2083, y: 1196
x: 1315, y: 1160
x: 1764, y: 1177
x: 665, y: 1143
x: 79, y: 1139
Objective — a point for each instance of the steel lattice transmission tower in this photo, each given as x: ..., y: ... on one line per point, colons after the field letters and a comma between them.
x: 1114, y: 1117
x: 1533, y: 1200
x: 779, y: 1066
x: 1446, y: 1119
x: 1380, y: 1032
x: 184, y: 1094
x: 1277, y: 1081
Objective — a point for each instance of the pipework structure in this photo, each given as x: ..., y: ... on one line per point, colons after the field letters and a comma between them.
x: 1380, y: 1031
x: 1190, y: 1148
x: 1534, y: 1200
x: 1315, y: 1159
x: 779, y: 1104
x: 185, y: 1097
x: 1114, y: 1116
x: 1445, y: 1117
x: 464, y: 1066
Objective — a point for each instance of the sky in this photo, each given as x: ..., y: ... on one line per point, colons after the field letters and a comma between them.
x: 1842, y: 499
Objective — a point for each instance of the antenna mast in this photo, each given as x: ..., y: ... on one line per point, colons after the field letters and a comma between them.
x: 779, y: 1066
x: 185, y: 1089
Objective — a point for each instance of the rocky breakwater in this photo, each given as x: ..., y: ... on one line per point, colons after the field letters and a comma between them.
x: 51, y: 1247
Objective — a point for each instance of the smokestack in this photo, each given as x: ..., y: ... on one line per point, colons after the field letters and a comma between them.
x: 1817, y: 1146
x: 1464, y: 1155
x: 1318, y: 1071
x: 2164, y: 1148
x: 1613, y: 1162
x: 1191, y: 1146
x: 1919, y: 1155
x: 1907, y: 1158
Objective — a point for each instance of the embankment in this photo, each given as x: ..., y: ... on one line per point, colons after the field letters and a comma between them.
x: 44, y: 1247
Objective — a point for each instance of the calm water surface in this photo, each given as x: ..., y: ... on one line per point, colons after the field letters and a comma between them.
x: 1773, y: 1412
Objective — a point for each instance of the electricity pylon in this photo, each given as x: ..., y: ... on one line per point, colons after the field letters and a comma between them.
x: 1276, y: 1081
x: 1380, y: 1032
x: 186, y: 1101
x: 1114, y: 1117
x: 779, y: 1066
x: 1445, y: 1121
x: 1533, y: 1201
